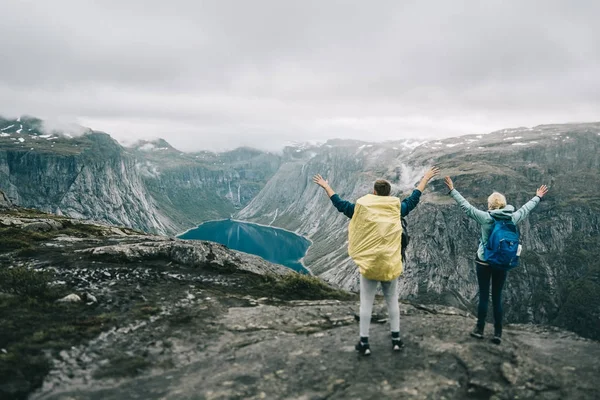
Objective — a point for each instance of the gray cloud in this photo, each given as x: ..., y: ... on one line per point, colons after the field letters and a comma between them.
x: 218, y: 74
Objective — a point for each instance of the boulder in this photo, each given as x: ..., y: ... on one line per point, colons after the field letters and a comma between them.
x: 72, y: 298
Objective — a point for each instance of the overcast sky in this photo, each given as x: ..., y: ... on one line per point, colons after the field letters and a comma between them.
x: 220, y: 74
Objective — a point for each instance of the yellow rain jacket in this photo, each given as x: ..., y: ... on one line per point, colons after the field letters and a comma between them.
x: 374, y: 237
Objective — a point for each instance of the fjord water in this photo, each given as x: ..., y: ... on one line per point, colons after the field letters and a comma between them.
x: 275, y: 245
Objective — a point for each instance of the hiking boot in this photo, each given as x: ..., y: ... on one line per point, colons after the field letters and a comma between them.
x: 397, y: 344
x: 477, y: 332
x: 497, y: 339
x: 363, y: 348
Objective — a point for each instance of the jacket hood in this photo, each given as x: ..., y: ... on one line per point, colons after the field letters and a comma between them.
x: 503, y: 213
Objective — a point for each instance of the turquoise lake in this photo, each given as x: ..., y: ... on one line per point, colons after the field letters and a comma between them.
x: 274, y: 245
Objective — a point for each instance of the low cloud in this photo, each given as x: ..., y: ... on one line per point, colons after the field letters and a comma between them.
x: 221, y: 74
x: 63, y: 127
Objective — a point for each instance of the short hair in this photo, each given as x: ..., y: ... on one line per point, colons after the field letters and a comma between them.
x: 382, y: 187
x: 496, y: 201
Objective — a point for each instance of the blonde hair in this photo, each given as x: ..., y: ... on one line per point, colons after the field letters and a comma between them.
x: 496, y: 201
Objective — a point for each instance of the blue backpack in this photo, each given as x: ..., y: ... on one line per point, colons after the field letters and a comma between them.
x: 502, y: 249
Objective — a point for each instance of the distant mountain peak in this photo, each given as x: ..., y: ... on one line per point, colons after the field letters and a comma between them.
x: 27, y: 125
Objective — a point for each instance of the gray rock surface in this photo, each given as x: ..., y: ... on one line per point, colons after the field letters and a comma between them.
x: 304, y: 350
x: 185, y: 252
x: 74, y: 293
x: 4, y: 201
x: 192, y: 320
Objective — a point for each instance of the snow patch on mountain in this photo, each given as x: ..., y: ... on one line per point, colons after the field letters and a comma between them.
x: 301, y: 146
x: 411, y: 144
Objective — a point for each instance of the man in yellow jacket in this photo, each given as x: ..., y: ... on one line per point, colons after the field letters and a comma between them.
x: 374, y: 243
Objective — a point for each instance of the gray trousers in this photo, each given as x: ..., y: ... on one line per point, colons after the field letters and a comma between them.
x: 368, y: 288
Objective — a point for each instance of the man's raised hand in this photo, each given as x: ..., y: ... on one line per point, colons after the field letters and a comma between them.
x: 318, y: 179
x: 427, y: 177
x: 433, y: 171
x: 541, y: 192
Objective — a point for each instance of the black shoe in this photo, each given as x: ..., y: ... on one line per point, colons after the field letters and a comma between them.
x: 397, y: 344
x: 497, y: 339
x: 363, y: 348
x: 477, y: 332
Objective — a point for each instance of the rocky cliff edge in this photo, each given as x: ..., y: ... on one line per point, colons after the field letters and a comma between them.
x: 99, y: 312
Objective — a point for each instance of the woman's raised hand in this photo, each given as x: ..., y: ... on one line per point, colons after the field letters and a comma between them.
x: 449, y: 183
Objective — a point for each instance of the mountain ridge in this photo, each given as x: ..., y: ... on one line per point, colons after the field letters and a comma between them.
x: 170, y: 193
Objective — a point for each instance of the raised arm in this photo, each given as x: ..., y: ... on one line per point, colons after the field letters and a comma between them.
x: 409, y: 203
x: 434, y: 171
x: 342, y: 206
x: 480, y: 216
x: 524, y: 211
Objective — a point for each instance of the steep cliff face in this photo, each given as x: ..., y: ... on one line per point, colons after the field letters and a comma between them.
x: 151, y: 186
x: 559, y: 237
x: 86, y: 177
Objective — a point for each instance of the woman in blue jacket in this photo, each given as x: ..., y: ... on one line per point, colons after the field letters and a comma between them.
x: 497, y: 209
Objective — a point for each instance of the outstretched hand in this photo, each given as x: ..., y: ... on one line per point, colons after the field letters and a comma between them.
x: 449, y: 183
x: 541, y: 192
x: 319, y: 180
x: 433, y: 171
x: 427, y: 177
